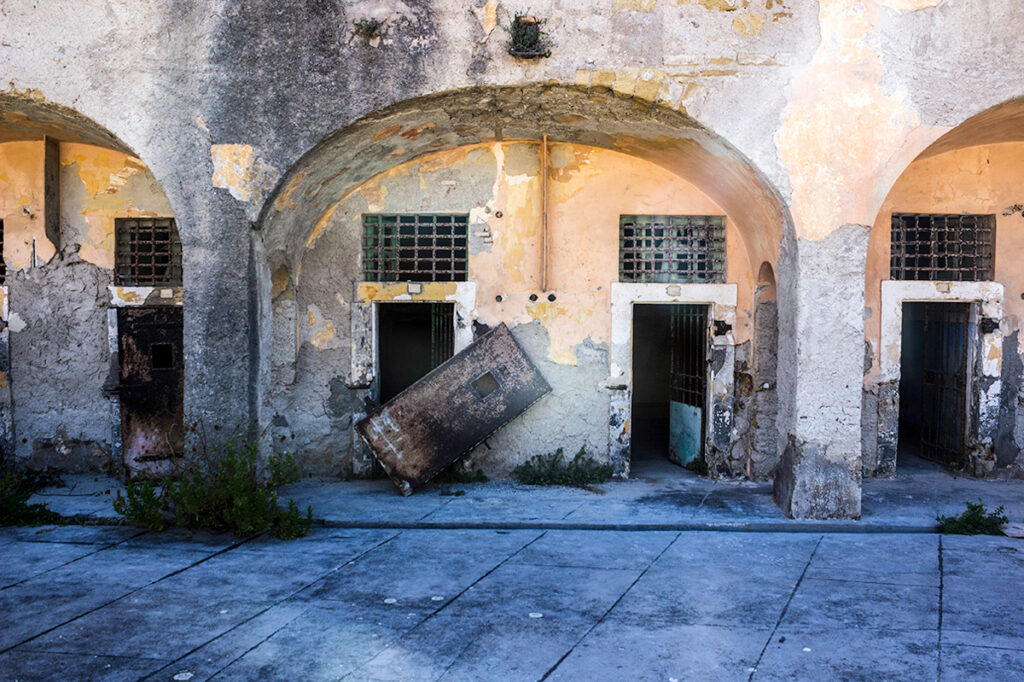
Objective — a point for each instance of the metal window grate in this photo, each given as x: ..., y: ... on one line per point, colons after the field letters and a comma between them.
x: 415, y: 247
x: 3, y: 261
x: 672, y: 248
x: 934, y: 247
x: 147, y: 252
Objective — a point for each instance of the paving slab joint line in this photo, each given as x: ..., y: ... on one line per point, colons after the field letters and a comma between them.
x: 738, y: 527
x: 766, y: 527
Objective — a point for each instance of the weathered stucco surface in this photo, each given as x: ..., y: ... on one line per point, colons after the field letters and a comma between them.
x: 796, y: 118
x: 58, y: 302
x: 566, y: 328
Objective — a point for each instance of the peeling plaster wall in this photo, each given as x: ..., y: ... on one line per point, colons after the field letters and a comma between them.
x: 826, y: 102
x: 58, y: 305
x: 589, y: 188
x: 984, y: 179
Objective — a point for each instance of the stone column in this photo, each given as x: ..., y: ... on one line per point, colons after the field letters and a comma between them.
x: 819, y: 475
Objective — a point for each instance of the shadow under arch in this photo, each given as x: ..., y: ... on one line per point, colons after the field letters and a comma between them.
x: 26, y: 119
x: 407, y: 130
x: 973, y: 168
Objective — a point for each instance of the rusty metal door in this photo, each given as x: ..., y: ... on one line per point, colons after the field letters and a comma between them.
x: 151, y: 388
x: 452, y: 409
x: 687, y: 382
x: 934, y: 379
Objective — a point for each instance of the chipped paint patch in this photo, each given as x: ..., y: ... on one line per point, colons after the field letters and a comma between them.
x: 285, y: 201
x: 15, y: 323
x: 320, y: 329
x: 99, y: 186
x: 487, y: 16
x: 375, y: 292
x: 238, y: 169
x: 749, y: 24
x: 123, y: 297
x: 636, y: 5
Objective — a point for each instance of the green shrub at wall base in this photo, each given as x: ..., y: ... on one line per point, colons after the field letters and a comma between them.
x: 221, y: 491
x: 553, y: 469
x: 975, y: 520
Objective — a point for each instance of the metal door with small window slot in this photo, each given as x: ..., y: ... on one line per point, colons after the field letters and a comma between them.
x: 151, y: 388
x: 688, y: 382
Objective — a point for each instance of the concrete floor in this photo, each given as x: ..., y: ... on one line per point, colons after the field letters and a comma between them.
x: 509, y: 582
x: 659, y: 496
x: 96, y: 603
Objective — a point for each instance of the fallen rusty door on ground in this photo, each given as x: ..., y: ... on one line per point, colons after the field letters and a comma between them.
x: 452, y: 409
x: 151, y: 388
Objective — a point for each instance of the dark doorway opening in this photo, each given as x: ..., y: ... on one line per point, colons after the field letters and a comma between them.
x: 151, y: 388
x: 933, y: 383
x: 412, y: 339
x: 669, y: 382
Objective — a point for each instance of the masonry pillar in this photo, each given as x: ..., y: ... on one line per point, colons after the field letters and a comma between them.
x: 215, y: 233
x: 819, y: 474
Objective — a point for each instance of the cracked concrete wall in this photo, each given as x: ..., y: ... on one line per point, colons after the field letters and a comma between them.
x: 565, y: 330
x: 981, y: 179
x: 58, y: 301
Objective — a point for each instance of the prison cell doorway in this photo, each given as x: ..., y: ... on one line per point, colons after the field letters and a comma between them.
x: 933, y: 383
x: 151, y: 388
x: 669, y: 382
x: 412, y: 339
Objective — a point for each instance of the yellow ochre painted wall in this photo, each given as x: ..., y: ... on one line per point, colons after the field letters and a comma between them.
x: 589, y: 188
x: 97, y: 186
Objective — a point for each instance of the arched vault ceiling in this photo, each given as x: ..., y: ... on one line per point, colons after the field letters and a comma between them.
x: 23, y: 119
x: 1001, y: 123
x: 411, y: 129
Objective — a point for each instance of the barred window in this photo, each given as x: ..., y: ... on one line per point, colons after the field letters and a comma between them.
x: 415, y: 247
x: 147, y: 252
x: 672, y: 248
x: 937, y: 247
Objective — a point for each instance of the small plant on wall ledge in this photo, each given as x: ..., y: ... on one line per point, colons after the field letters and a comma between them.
x: 369, y: 30
x: 526, y: 39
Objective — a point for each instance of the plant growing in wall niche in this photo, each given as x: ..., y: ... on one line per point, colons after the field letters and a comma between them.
x: 369, y: 30
x: 527, y: 40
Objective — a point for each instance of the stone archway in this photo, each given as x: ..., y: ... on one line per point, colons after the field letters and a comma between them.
x: 972, y: 170
x: 306, y: 199
x: 75, y: 209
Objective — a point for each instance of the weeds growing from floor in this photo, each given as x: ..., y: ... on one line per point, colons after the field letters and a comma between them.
x: 16, y: 487
x: 220, y: 489
x: 976, y: 520
x: 554, y: 469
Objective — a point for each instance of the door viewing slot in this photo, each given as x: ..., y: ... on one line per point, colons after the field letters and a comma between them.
x: 933, y: 381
